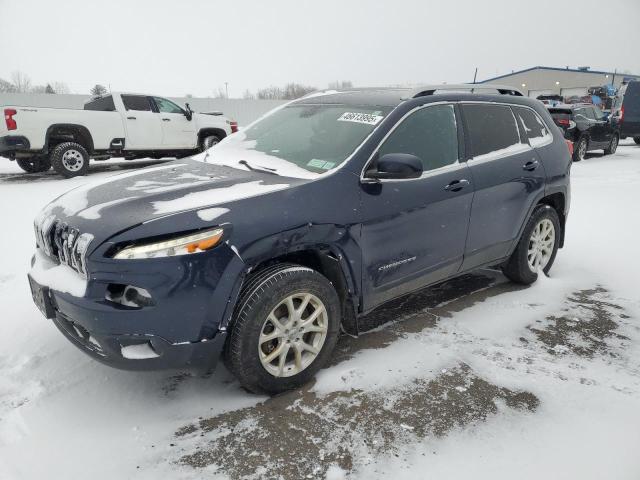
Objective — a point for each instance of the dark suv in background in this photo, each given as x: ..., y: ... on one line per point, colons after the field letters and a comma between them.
x: 625, y: 113
x: 264, y: 247
x: 588, y: 127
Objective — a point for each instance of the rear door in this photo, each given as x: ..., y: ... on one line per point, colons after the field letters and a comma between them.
x: 177, y: 130
x: 144, y: 131
x: 601, y: 129
x: 414, y: 231
x: 508, y: 178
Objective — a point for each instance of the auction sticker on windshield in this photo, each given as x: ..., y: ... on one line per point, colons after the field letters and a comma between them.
x: 366, y: 118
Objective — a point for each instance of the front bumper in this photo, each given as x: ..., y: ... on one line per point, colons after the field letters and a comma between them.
x: 13, y: 143
x: 180, y: 330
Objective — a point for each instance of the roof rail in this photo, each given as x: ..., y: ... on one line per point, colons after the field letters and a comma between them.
x: 477, y: 88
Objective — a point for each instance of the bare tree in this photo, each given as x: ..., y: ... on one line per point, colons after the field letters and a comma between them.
x: 6, y: 87
x: 49, y: 89
x: 21, y: 82
x: 39, y: 89
x: 248, y: 95
x: 60, y: 87
x: 270, y: 93
x: 296, y: 90
x: 221, y: 93
x: 98, y: 89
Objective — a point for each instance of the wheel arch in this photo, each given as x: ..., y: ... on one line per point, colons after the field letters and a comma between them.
x: 558, y: 202
x: 68, y: 132
x: 326, y: 259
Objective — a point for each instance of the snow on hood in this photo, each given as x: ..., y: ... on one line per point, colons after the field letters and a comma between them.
x: 122, y: 201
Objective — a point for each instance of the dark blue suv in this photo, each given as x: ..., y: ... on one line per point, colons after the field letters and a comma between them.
x: 264, y: 247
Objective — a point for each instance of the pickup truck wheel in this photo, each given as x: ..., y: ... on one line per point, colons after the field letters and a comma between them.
x: 70, y: 159
x: 580, y: 149
x: 637, y: 140
x: 209, y: 141
x: 537, y: 247
x: 284, y: 329
x: 35, y: 164
x: 613, y: 146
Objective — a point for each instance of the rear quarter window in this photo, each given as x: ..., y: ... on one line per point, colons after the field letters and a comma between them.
x: 533, y: 127
x: 491, y: 128
x: 104, y: 104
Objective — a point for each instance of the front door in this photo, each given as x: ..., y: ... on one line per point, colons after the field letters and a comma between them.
x: 413, y: 231
x: 509, y: 177
x: 144, y: 131
x: 177, y: 130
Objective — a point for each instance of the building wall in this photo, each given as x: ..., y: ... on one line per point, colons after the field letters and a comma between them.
x: 538, y: 81
x: 243, y: 111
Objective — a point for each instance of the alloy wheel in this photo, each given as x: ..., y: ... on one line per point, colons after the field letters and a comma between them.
x: 541, y: 243
x: 293, y: 334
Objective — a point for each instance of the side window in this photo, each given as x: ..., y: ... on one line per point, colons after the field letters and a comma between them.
x: 103, y: 104
x: 532, y: 125
x: 598, y: 115
x: 167, y: 106
x: 492, y: 128
x: 139, y: 103
x: 430, y: 134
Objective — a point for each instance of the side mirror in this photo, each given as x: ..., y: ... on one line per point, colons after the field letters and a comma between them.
x: 395, y: 166
x: 188, y: 112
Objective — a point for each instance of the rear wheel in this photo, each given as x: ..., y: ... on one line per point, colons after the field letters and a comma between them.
x: 537, y: 248
x: 209, y: 141
x: 35, y: 164
x: 613, y: 146
x: 637, y: 140
x: 580, y: 149
x: 70, y: 159
x: 284, y: 328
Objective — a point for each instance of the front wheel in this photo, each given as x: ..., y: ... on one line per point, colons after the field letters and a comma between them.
x: 209, y: 141
x: 35, y: 164
x: 284, y: 329
x: 637, y: 140
x: 537, y: 247
x: 70, y: 159
x: 613, y: 146
x: 580, y: 149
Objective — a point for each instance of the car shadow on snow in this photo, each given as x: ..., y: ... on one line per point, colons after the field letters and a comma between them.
x: 300, y: 434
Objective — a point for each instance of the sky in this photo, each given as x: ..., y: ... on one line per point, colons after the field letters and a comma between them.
x: 179, y: 47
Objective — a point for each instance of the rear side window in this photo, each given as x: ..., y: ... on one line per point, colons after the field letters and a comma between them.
x: 532, y: 125
x: 136, y: 102
x: 492, y: 128
x: 104, y: 104
x: 430, y: 134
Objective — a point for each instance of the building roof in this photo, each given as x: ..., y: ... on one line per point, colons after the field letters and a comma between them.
x: 559, y: 69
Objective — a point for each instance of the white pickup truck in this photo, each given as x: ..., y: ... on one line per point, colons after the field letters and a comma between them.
x: 119, y: 124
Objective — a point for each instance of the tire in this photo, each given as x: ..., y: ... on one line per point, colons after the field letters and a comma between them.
x: 637, y: 140
x: 35, y: 164
x: 70, y: 159
x: 518, y: 268
x: 613, y: 146
x: 257, y: 365
x: 580, y: 149
x: 209, y: 141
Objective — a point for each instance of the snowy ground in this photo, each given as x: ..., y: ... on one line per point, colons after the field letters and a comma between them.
x: 474, y: 378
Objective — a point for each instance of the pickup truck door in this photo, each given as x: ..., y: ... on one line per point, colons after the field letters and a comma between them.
x: 177, y: 130
x: 414, y: 231
x: 142, y: 124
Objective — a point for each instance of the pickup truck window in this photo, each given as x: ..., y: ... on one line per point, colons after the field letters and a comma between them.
x: 430, y: 134
x: 167, y: 106
x: 136, y: 102
x: 102, y: 104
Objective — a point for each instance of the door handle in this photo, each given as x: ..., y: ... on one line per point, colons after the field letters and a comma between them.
x: 531, y: 165
x: 131, y: 118
x: 456, y: 185
x: 166, y: 119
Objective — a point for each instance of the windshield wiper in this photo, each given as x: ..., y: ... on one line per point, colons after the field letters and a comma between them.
x: 272, y: 171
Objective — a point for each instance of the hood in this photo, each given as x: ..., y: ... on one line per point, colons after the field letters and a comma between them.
x: 122, y: 201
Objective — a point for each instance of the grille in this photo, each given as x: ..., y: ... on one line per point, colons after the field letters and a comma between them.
x: 63, y: 243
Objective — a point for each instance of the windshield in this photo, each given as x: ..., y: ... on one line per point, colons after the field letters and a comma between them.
x: 300, y: 140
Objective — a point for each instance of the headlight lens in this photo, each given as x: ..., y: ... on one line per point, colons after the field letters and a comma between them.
x: 194, y: 243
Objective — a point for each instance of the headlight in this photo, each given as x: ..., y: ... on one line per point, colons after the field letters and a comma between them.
x: 197, y: 242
